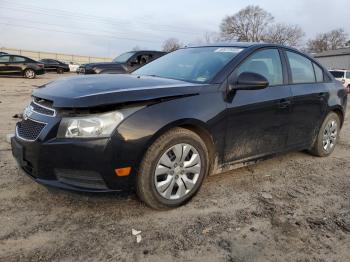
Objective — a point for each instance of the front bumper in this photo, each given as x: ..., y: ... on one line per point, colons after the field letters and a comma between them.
x: 72, y: 165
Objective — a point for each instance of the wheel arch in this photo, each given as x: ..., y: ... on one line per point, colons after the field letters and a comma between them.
x: 196, y: 126
x: 339, y: 111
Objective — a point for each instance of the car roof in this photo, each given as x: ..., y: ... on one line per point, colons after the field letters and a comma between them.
x: 244, y: 45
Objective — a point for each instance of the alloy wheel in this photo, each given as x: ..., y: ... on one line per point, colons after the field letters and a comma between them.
x: 330, y: 135
x: 30, y: 73
x: 177, y: 171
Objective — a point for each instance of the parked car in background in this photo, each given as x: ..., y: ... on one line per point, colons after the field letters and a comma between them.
x: 165, y: 127
x: 123, y: 64
x: 342, y: 75
x: 3, y: 53
x: 20, y: 65
x: 52, y: 65
x: 73, y: 66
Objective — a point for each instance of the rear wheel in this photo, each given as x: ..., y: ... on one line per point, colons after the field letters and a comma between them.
x: 29, y: 73
x: 60, y: 71
x: 172, y: 169
x: 328, y: 136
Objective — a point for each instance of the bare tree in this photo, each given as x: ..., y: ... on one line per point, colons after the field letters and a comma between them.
x: 284, y: 34
x: 327, y: 41
x: 171, y: 44
x: 249, y: 24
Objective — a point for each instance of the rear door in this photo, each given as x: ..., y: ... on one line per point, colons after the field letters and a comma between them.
x: 310, y: 96
x: 18, y: 63
x: 258, y: 120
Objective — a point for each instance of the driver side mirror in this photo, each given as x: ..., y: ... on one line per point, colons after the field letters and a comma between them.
x: 249, y: 81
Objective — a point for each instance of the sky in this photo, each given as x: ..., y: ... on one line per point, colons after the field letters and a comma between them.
x: 107, y: 28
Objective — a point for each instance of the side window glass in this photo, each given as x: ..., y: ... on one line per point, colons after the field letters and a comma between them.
x: 18, y: 59
x: 266, y: 63
x: 301, y: 67
x: 348, y: 75
x: 5, y: 59
x: 318, y: 73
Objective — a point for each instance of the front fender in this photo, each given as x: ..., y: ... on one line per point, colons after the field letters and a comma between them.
x: 139, y: 131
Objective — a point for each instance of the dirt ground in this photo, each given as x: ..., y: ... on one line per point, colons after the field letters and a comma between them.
x: 294, y: 207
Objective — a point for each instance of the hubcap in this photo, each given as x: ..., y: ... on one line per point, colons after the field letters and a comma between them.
x: 177, y: 171
x: 330, y: 135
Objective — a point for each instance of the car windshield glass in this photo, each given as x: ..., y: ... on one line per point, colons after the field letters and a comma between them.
x: 123, y: 57
x: 337, y: 74
x: 198, y: 65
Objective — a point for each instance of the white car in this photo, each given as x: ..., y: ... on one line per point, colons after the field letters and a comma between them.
x: 73, y: 66
x: 342, y: 75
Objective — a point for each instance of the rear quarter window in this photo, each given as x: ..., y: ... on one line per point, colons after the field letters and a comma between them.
x: 318, y: 73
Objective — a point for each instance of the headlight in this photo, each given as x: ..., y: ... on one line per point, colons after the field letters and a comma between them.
x: 95, y: 125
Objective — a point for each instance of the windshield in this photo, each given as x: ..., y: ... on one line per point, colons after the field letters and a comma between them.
x: 123, y: 57
x: 198, y: 65
x: 337, y: 74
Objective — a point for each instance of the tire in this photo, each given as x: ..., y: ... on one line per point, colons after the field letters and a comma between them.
x: 29, y: 73
x: 148, y: 187
x: 327, y: 132
x: 60, y: 71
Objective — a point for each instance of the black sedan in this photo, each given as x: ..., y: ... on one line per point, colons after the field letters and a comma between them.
x: 123, y: 64
x: 164, y: 128
x: 52, y: 65
x: 20, y: 65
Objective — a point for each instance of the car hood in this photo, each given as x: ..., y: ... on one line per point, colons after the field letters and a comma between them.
x: 101, y: 90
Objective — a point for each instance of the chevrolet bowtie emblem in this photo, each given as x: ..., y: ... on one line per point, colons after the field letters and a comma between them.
x: 28, y: 111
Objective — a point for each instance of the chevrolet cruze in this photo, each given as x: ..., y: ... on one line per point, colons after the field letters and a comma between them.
x: 164, y: 128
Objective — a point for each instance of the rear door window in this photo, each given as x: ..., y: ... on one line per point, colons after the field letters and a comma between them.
x: 318, y: 73
x: 4, y: 59
x: 266, y: 63
x: 301, y: 68
x: 18, y: 59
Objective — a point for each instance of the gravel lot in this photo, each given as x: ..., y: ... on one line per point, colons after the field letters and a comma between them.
x: 294, y: 207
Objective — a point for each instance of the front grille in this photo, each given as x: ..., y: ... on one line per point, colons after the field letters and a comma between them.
x: 29, y: 129
x: 43, y: 107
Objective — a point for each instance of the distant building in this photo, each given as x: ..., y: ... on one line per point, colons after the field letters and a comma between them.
x: 335, y: 59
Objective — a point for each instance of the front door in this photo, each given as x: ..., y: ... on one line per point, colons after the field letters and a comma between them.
x: 5, y: 64
x: 258, y: 120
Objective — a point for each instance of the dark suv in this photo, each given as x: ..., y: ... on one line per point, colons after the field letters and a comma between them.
x: 55, y: 66
x: 125, y: 63
x: 20, y: 65
x: 165, y: 127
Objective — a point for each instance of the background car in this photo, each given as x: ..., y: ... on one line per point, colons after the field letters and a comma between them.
x: 3, y: 53
x: 55, y: 65
x: 20, y: 65
x: 73, y: 66
x: 342, y: 75
x: 123, y: 64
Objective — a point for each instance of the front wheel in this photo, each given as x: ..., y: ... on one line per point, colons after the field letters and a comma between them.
x: 328, y: 136
x: 60, y: 71
x: 172, y: 169
x: 29, y: 73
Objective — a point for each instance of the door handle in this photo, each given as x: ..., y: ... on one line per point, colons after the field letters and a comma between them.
x: 284, y: 103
